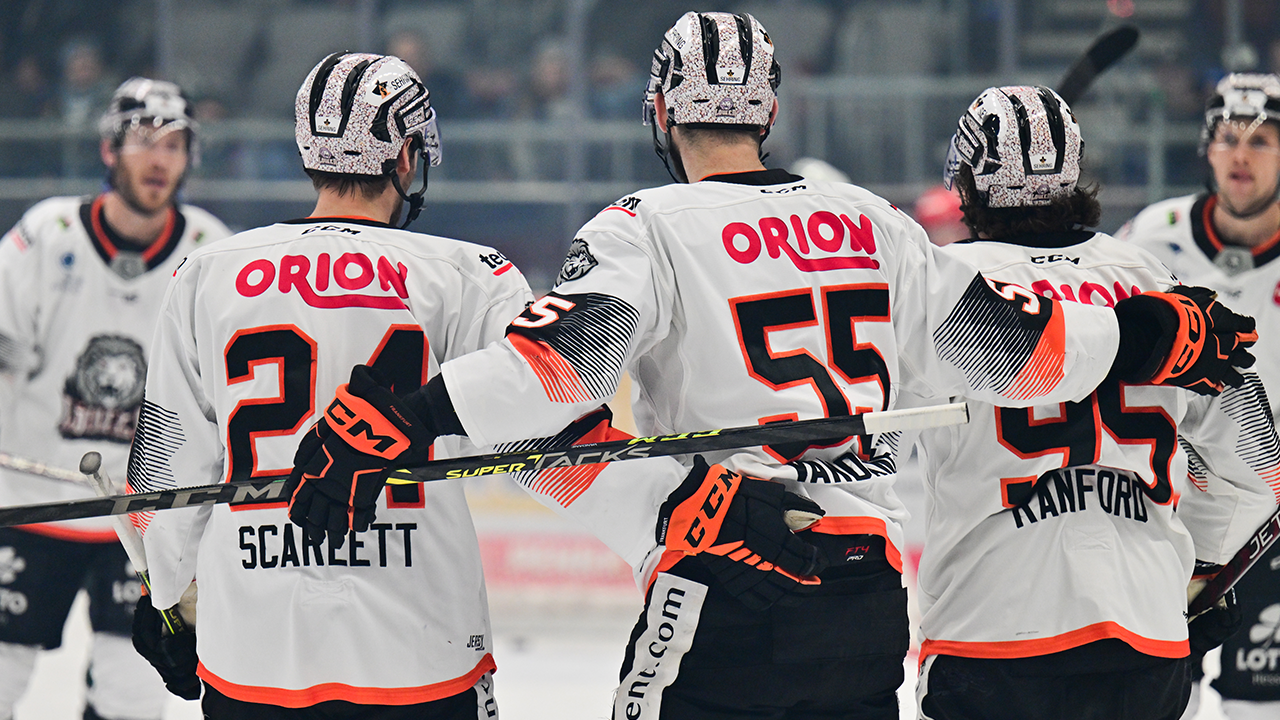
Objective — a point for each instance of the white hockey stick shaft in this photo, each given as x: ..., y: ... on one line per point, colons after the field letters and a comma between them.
x: 91, y: 466
x: 37, y: 468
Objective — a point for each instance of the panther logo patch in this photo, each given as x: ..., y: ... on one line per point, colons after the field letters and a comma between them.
x: 102, y: 396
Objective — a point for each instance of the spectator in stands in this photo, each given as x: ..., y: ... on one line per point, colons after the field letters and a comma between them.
x: 615, y: 82
x: 449, y: 94
x: 938, y: 212
x: 86, y: 86
x: 25, y: 92
x: 549, y: 84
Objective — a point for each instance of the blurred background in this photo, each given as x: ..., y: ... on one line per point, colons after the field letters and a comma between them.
x: 539, y: 100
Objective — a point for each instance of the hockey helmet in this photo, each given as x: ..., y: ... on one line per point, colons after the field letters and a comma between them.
x: 712, y: 69
x: 1250, y: 96
x: 354, y: 111
x: 155, y: 105
x: 1023, y: 144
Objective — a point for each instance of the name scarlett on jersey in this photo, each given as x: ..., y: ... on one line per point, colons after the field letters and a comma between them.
x: 819, y: 241
x: 351, y: 272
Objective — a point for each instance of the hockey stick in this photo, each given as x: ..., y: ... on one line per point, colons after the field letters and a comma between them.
x: 1230, y: 574
x: 35, y: 467
x: 1102, y: 54
x: 270, y: 489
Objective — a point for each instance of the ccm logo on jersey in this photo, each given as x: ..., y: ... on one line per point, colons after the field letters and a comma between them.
x: 312, y: 280
x: 812, y: 245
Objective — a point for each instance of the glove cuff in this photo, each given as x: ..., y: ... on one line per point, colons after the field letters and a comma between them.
x: 433, y: 406
x: 1149, y: 324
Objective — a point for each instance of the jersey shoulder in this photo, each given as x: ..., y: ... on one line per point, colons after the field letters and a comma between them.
x: 1160, y: 222
x: 202, y: 226
x: 52, y: 215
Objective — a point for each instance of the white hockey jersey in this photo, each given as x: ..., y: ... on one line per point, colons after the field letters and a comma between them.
x: 1053, y: 526
x: 1179, y: 233
x: 253, y: 334
x: 76, y: 313
x: 762, y: 296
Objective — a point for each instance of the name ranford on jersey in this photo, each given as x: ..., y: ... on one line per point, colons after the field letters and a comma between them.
x: 812, y: 244
x: 1059, y: 492
x: 326, y: 282
x: 270, y: 546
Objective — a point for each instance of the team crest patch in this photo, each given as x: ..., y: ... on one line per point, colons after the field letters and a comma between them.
x: 102, y: 396
x: 577, y: 263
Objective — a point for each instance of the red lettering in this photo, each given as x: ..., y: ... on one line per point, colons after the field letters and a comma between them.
x: 860, y: 236
x: 1068, y: 293
x: 393, y: 277
x: 1087, y: 290
x: 362, y: 264
x: 822, y: 219
x: 799, y: 228
x: 322, y: 272
x: 1045, y: 288
x: 730, y: 236
x: 774, y: 232
x: 1122, y: 294
x: 293, y: 273
x: 247, y: 287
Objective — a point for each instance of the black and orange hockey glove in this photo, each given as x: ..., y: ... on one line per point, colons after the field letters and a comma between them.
x: 738, y: 527
x: 343, y: 460
x: 1184, y: 338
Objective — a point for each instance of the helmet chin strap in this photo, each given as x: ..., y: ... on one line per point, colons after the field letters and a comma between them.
x: 669, y: 154
x: 414, y: 200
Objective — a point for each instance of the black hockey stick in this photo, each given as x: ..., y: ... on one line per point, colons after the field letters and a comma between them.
x: 262, y: 490
x: 1102, y: 54
x: 1230, y: 574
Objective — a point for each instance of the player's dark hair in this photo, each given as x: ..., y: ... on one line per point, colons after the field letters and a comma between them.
x: 1079, y: 209
x: 719, y: 134
x: 370, y: 187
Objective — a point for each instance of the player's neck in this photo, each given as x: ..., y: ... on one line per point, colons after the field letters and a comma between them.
x: 331, y: 204
x: 140, y: 228
x: 704, y: 161
x: 1246, y: 232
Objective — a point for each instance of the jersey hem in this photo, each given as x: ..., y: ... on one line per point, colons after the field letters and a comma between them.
x: 326, y: 692
x: 1011, y: 649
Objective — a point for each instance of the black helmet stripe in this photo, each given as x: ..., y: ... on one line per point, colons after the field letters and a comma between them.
x: 710, y: 48
x: 317, y: 86
x: 1057, y: 130
x: 745, y: 43
x: 349, y: 88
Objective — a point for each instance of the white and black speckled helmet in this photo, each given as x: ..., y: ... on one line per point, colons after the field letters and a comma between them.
x: 712, y: 68
x: 1241, y: 96
x: 1023, y: 144
x: 354, y: 111
x: 155, y: 105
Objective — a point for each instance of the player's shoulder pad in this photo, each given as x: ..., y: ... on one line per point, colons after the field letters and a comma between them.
x: 49, y: 216
x: 1167, y: 215
x: 202, y: 226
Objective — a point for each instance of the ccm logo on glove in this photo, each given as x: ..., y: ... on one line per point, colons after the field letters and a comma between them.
x: 351, y: 417
x: 705, y: 523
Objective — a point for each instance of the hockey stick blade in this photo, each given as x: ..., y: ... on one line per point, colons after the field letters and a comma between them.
x: 1102, y: 54
x: 1230, y: 574
x: 261, y: 490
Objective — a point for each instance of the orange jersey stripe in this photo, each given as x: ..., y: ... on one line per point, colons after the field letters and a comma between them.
x: 1043, y: 646
x: 558, y: 378
x: 325, y: 692
x: 1044, y: 369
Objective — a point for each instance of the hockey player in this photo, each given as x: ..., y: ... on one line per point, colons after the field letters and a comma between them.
x: 80, y: 282
x: 1228, y: 239
x: 395, y: 625
x: 743, y: 295
x: 1057, y: 520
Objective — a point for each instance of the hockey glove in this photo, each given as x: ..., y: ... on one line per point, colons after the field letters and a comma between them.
x: 173, y: 656
x: 1183, y: 338
x: 1212, y: 627
x: 737, y: 527
x: 343, y: 460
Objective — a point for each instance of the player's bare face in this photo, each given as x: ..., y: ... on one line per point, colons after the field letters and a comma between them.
x: 149, y: 169
x: 1245, y: 158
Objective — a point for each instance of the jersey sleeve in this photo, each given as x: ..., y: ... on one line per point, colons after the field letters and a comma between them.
x: 963, y: 334
x: 565, y: 354
x: 1233, y: 466
x: 19, y: 299
x: 176, y: 445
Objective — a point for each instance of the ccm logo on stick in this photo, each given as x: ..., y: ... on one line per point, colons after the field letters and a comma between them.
x: 812, y: 245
